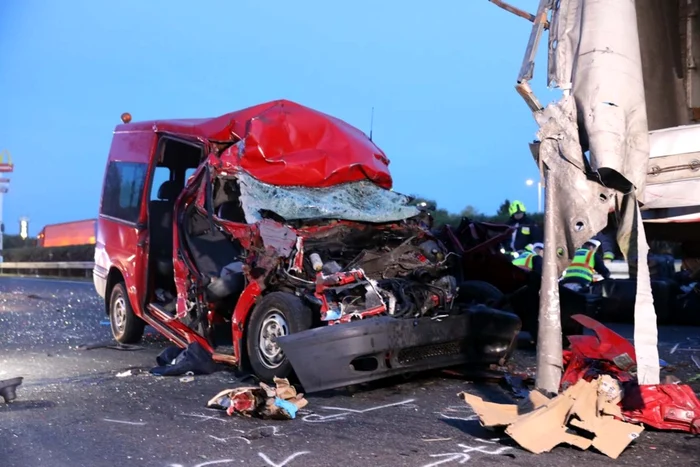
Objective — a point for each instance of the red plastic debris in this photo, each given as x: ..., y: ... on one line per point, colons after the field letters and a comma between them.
x: 662, y: 406
x: 590, y: 356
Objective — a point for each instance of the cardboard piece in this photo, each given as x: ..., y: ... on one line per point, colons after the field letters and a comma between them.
x: 586, y: 415
x: 494, y: 415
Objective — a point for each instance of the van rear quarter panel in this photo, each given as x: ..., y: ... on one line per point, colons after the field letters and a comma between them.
x: 122, y: 244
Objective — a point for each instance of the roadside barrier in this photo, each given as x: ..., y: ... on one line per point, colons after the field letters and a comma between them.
x: 49, y: 268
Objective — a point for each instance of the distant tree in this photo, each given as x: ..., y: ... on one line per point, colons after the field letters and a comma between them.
x: 537, y: 218
x: 442, y: 217
x: 503, y: 209
x: 10, y: 242
x: 471, y: 212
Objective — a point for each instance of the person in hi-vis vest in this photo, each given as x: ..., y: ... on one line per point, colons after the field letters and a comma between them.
x: 530, y: 259
x: 587, y: 261
x: 526, y: 231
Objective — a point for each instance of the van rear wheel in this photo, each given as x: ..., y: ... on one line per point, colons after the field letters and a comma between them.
x: 127, y: 328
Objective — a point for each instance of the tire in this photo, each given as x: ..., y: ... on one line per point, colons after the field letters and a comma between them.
x: 279, y: 313
x: 127, y: 328
x: 480, y: 292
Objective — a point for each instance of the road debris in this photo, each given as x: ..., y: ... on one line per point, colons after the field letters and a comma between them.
x: 540, y: 424
x: 263, y: 401
x: 8, y: 388
x: 124, y: 374
x: 109, y: 345
x: 600, y: 405
x: 662, y: 406
x: 695, y: 360
x: 193, y: 360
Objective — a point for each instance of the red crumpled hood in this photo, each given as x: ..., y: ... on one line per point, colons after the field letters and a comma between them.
x: 289, y: 144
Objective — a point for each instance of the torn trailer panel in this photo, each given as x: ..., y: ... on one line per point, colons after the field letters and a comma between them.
x: 593, y: 152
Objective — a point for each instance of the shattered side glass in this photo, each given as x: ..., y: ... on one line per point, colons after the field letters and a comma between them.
x: 361, y: 201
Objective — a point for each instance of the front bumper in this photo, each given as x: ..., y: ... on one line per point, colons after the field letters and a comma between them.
x: 374, y: 348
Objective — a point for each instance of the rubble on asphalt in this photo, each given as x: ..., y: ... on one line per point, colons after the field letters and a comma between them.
x: 601, y: 405
x: 541, y: 423
x: 279, y: 403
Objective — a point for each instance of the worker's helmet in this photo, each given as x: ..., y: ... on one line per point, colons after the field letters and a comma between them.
x: 538, y: 246
x: 592, y: 243
x: 516, y: 206
x: 529, y: 247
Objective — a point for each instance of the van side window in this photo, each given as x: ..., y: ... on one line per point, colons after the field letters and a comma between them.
x: 161, y: 175
x: 189, y: 172
x: 123, y: 190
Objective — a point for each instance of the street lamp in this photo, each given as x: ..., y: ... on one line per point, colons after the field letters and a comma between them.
x: 24, y: 228
x: 540, y: 186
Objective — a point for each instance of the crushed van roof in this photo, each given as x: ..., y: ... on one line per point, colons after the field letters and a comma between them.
x: 285, y: 143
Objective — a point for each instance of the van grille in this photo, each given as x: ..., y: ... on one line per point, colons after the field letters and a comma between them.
x: 424, y: 352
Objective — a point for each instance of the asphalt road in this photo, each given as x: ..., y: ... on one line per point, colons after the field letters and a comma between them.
x: 73, y: 410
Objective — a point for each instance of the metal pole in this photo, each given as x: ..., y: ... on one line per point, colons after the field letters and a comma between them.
x: 549, y: 338
x: 539, y: 196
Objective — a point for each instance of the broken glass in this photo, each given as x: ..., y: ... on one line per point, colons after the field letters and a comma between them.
x: 361, y: 201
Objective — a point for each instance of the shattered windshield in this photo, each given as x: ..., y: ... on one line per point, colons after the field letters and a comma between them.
x: 361, y: 201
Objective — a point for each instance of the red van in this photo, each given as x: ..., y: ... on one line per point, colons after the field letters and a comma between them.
x: 271, y: 237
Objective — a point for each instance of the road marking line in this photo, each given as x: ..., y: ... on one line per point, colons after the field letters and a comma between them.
x: 125, y: 422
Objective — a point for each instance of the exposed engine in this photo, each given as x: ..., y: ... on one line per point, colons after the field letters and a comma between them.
x: 400, y: 272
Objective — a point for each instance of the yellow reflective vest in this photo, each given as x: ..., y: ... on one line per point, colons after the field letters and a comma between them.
x: 524, y: 260
x: 582, y: 266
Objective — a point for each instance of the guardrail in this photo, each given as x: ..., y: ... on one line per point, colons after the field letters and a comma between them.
x: 48, y: 265
x: 49, y: 268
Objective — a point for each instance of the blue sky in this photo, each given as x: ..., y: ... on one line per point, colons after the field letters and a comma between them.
x: 440, y: 76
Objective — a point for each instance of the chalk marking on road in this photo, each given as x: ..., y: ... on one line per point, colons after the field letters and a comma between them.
x: 370, y: 409
x: 125, y: 422
x: 316, y: 418
x: 203, y: 417
x: 284, y: 462
x: 488, y: 441
x: 204, y: 464
x: 260, y: 430
x: 464, y: 413
x: 464, y: 456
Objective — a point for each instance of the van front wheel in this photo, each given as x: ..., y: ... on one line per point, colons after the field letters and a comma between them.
x: 276, y: 314
x: 127, y: 328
